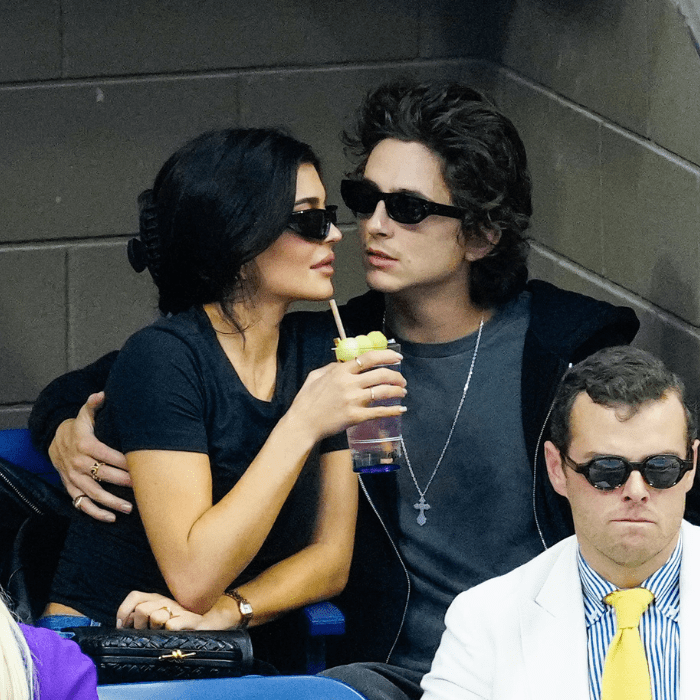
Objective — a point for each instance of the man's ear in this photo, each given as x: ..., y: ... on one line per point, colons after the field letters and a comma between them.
x: 480, y: 244
x: 690, y: 476
x: 555, y: 468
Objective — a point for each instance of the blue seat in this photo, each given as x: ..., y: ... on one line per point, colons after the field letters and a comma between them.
x: 16, y: 447
x: 246, y: 688
x: 323, y: 620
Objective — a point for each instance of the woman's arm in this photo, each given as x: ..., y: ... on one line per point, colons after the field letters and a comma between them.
x: 320, y: 570
x: 200, y: 548
x: 317, y: 572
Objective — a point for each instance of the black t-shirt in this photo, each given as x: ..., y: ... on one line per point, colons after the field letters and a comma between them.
x: 173, y: 388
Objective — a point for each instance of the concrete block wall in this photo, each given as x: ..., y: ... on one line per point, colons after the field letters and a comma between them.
x: 606, y: 94
x: 95, y: 95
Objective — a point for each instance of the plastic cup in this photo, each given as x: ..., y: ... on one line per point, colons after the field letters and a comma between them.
x: 375, y: 445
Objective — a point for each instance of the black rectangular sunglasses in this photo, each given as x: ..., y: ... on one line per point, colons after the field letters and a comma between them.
x: 314, y: 224
x: 608, y: 472
x: 362, y: 198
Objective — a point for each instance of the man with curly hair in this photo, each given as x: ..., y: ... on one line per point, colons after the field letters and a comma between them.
x: 442, y: 196
x: 483, y: 353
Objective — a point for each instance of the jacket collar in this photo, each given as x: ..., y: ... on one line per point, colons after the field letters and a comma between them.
x: 553, y: 627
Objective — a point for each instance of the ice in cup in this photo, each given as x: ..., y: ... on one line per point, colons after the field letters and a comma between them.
x: 375, y: 445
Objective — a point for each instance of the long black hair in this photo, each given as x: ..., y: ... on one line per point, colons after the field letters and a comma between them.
x: 217, y: 203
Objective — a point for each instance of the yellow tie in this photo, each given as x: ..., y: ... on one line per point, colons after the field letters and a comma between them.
x: 626, y: 672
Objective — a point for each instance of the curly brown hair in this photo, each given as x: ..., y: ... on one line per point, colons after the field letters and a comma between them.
x: 484, y: 166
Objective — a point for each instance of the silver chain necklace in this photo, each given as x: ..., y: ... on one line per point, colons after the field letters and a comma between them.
x: 422, y: 504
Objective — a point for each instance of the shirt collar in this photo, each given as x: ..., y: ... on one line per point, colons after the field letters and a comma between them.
x: 664, y: 583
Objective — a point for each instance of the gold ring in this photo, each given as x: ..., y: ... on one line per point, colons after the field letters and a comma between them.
x: 77, y: 500
x: 95, y: 468
x: 371, y: 393
x: 359, y: 364
x: 170, y: 612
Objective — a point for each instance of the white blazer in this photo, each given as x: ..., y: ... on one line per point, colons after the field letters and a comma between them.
x: 522, y: 636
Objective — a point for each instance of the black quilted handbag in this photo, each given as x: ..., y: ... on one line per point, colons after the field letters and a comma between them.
x: 130, y: 656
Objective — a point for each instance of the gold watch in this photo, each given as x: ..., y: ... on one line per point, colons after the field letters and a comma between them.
x: 244, y: 607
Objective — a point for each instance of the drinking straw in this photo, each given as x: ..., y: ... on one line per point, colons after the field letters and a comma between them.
x: 338, y: 322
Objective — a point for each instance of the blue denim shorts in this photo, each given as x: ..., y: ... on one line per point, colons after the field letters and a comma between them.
x: 58, y: 623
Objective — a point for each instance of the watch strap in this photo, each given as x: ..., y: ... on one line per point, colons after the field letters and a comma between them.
x: 244, y: 607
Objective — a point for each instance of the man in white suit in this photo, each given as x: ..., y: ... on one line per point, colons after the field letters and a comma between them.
x: 624, y: 455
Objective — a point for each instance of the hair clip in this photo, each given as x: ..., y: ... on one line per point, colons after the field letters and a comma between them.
x: 136, y: 252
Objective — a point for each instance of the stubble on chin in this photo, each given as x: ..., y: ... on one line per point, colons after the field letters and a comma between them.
x: 637, y: 550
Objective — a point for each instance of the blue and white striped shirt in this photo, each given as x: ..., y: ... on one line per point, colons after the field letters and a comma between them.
x: 658, y: 626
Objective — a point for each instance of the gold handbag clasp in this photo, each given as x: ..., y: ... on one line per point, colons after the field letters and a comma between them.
x: 176, y: 655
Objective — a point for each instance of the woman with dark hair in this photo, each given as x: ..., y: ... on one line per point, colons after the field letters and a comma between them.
x: 245, y: 500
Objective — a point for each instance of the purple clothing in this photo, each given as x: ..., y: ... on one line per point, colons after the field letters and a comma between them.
x: 63, y: 671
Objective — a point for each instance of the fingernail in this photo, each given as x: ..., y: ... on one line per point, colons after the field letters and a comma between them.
x: 110, y: 517
x: 119, y: 623
x: 126, y: 508
x: 403, y: 409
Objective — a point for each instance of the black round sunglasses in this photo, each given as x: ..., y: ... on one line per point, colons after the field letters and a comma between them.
x: 314, y: 224
x: 362, y: 198
x: 609, y: 472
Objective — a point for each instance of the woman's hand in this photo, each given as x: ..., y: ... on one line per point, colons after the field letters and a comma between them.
x: 76, y: 452
x: 340, y: 394
x: 154, y: 611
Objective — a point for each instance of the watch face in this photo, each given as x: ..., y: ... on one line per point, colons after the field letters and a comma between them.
x: 246, y: 609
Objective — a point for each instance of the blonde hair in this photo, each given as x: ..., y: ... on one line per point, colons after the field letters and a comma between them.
x: 17, y: 678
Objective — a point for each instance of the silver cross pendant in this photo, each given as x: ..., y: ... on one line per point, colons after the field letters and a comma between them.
x: 422, y: 506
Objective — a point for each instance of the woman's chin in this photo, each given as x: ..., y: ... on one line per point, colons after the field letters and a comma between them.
x: 321, y: 293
